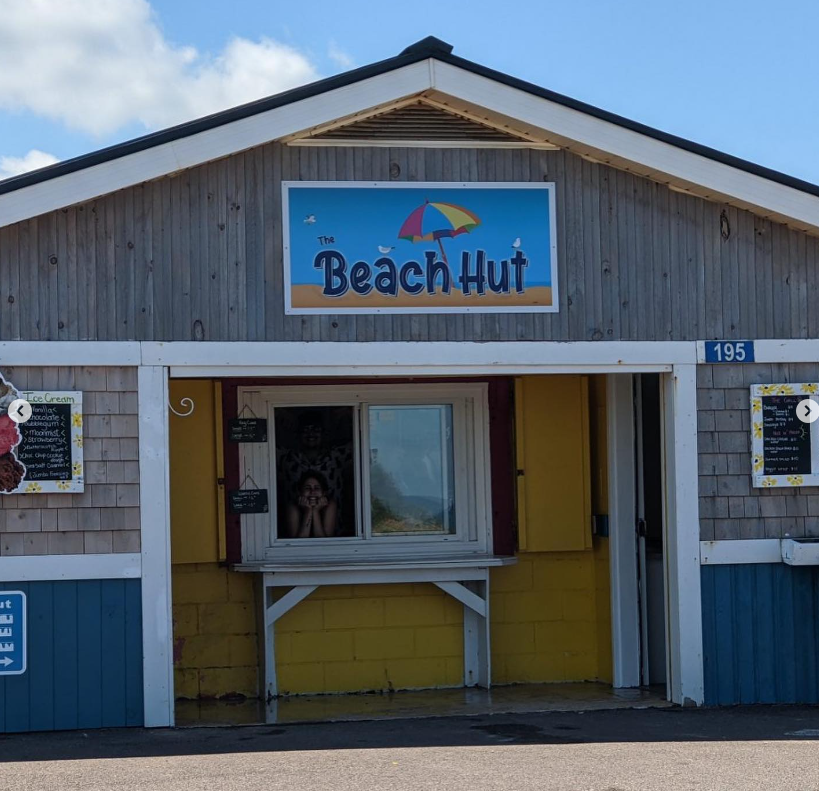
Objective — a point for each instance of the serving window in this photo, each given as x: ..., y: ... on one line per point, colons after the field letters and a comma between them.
x: 377, y: 471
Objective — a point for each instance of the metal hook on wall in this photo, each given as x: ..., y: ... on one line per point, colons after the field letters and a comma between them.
x: 187, y: 403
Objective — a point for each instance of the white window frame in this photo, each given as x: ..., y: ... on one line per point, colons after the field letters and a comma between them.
x: 472, y: 481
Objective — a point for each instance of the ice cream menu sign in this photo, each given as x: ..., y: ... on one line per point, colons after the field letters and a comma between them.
x: 44, y: 454
x: 785, y: 449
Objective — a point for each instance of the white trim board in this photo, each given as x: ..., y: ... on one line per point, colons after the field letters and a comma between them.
x: 563, y: 125
x: 62, y: 353
x: 658, y: 160
x: 155, y: 522
x: 446, y: 355
x: 739, y: 551
x: 49, y: 568
x: 683, y: 581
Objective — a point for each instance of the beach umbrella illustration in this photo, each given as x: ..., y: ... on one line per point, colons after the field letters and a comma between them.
x: 434, y: 221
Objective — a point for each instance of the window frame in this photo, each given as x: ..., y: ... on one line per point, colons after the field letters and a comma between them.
x: 472, y: 481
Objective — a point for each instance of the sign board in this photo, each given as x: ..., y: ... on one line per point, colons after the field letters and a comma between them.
x: 248, y: 501
x: 51, y: 446
x: 247, y: 429
x: 428, y: 247
x: 12, y: 633
x: 729, y: 351
x: 785, y: 450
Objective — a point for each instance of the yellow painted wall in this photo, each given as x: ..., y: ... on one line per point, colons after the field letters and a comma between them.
x: 371, y: 637
x: 549, y: 613
x: 214, y: 631
x: 214, y: 616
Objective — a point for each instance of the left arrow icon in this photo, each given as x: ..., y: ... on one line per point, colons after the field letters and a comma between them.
x: 19, y: 410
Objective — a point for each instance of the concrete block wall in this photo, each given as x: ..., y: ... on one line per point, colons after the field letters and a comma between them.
x: 105, y: 517
x: 730, y: 508
x: 214, y: 628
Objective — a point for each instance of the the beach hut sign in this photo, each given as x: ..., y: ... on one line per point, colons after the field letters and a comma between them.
x: 386, y: 247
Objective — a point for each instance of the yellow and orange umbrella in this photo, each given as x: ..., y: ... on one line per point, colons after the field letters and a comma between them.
x: 435, y: 220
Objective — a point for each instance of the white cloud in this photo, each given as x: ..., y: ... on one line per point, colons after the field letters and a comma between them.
x: 339, y: 56
x: 98, y: 65
x: 14, y: 166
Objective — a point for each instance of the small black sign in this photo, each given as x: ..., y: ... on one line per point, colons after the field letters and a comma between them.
x: 248, y: 501
x: 247, y: 429
x: 45, y: 449
x: 785, y: 438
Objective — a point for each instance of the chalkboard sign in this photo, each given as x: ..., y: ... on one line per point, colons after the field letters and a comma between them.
x: 45, y: 449
x: 247, y: 429
x: 785, y: 438
x: 51, y: 444
x: 248, y: 501
x: 785, y: 450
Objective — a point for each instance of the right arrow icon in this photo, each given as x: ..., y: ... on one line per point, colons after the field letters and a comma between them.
x: 807, y: 410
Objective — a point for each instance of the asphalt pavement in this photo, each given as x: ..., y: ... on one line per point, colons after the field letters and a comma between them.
x: 736, y: 748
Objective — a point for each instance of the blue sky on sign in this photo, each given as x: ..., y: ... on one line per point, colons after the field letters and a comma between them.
x: 361, y: 220
x: 77, y: 75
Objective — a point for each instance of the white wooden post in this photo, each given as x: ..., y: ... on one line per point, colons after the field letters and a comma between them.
x: 682, y: 537
x: 155, y: 522
x: 625, y: 614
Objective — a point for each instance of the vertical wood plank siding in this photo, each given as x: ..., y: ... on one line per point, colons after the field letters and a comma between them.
x: 197, y: 256
x: 84, y: 658
x: 760, y: 635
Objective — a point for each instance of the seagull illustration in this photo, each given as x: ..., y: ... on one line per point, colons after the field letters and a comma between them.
x: 310, y: 219
x: 516, y: 243
x: 384, y: 250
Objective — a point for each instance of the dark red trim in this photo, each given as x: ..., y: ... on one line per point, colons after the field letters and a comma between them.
x: 502, y: 465
x: 233, y: 525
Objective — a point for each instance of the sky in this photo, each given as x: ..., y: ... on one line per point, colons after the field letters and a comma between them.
x: 737, y: 75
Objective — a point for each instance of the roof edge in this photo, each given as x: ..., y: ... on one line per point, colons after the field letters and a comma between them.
x: 429, y: 47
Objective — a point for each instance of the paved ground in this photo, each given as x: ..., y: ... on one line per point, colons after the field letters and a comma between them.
x: 742, y: 748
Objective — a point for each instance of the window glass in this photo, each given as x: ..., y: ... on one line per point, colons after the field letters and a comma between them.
x: 411, y: 470
x: 315, y: 479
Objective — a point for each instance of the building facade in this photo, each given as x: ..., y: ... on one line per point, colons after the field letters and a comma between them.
x: 533, y: 464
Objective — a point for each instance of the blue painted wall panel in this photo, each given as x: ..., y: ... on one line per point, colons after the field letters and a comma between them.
x: 760, y: 635
x: 84, y: 658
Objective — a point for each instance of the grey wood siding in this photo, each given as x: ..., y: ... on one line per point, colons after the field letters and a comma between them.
x: 730, y: 507
x: 197, y: 256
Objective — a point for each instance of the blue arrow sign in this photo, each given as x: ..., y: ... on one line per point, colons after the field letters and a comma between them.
x: 12, y: 633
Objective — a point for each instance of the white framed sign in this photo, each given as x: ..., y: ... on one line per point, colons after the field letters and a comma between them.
x: 419, y: 247
x: 44, y: 454
x: 784, y: 448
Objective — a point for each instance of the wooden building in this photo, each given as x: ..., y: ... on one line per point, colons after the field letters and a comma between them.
x: 562, y: 453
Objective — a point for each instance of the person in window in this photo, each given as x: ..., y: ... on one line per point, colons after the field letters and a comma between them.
x: 313, y: 514
x: 312, y: 455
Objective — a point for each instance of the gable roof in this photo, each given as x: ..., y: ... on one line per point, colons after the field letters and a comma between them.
x: 572, y: 124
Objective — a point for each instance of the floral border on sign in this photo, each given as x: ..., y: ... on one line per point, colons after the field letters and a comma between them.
x: 758, y: 476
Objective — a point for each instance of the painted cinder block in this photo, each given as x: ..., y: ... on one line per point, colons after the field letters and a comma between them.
x: 353, y: 613
x: 306, y: 616
x: 302, y: 678
x: 190, y: 586
x: 322, y: 646
x: 222, y: 618
x: 439, y: 641
x: 384, y: 643
x: 415, y: 610
x: 228, y: 682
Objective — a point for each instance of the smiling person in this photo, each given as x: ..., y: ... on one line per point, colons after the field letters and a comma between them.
x: 313, y: 514
x: 313, y: 454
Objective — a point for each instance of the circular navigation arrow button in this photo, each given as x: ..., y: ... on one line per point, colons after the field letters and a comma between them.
x: 807, y: 410
x: 20, y: 410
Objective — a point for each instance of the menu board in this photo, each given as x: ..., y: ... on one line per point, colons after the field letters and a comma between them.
x: 247, y: 429
x: 785, y: 438
x: 45, y: 449
x: 51, y: 442
x: 248, y: 501
x: 784, y: 448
